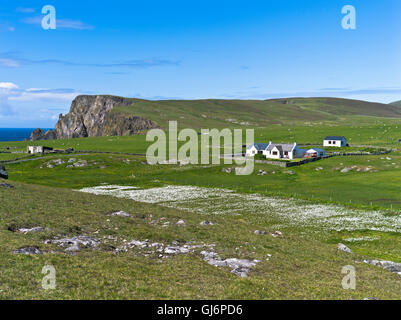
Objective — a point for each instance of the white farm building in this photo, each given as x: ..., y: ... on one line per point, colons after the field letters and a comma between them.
x: 335, y: 141
x: 283, y: 151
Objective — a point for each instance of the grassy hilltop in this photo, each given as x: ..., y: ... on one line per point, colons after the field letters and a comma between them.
x: 253, y: 113
x: 315, y: 207
x: 396, y: 103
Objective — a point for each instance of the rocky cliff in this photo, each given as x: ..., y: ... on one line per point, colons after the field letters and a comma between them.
x: 92, y: 116
x: 39, y: 134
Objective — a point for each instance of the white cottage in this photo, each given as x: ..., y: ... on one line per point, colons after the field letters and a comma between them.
x: 38, y: 149
x: 283, y: 151
x: 335, y: 141
x: 35, y: 149
x: 256, y: 148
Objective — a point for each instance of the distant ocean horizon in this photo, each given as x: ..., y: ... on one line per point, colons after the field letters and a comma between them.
x: 16, y: 134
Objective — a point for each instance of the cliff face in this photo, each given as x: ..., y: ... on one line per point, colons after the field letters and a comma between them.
x: 92, y: 116
x: 39, y: 134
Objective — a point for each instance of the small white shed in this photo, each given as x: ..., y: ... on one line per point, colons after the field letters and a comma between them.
x: 315, y: 153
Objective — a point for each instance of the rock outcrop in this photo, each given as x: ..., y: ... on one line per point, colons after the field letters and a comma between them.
x: 3, y: 172
x: 39, y: 134
x: 92, y: 116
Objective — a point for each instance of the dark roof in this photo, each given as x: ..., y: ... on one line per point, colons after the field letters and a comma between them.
x: 259, y: 146
x: 334, y: 138
x: 281, y: 147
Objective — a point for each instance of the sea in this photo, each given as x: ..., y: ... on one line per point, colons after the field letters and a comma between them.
x: 16, y: 134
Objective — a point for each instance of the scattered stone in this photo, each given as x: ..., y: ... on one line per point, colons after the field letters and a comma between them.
x: 136, y: 243
x: 207, y: 255
x: 71, y: 160
x: 259, y: 232
x: 159, y: 248
x: 74, y: 248
x: 28, y: 250
x: 176, y: 250
x: 277, y: 234
x: 346, y: 170
x: 344, y: 248
x: 387, y: 265
x: 52, y: 163
x: 6, y: 185
x: 121, y: 214
x: 318, y: 168
x: 181, y: 223
x: 239, y: 267
x: 262, y: 173
x: 207, y: 223
x: 27, y: 230
x: 371, y: 298
x: 74, y: 244
x: 80, y: 164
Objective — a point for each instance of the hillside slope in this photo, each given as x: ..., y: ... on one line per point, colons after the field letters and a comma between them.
x: 396, y: 103
x: 102, y: 115
x: 223, y: 113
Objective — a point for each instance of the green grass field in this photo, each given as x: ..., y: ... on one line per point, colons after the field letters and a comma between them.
x: 300, y: 265
x: 315, y: 206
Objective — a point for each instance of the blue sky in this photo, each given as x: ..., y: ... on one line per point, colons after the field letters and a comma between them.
x: 193, y: 49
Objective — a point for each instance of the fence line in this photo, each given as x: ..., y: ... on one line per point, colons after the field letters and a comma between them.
x: 332, y: 154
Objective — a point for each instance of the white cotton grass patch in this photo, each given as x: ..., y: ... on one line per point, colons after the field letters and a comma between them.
x: 227, y: 202
x: 157, y: 195
x: 361, y: 239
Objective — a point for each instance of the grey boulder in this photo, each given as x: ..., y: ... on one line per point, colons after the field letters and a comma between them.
x: 3, y: 172
x: 28, y: 250
x: 344, y: 248
x: 121, y: 214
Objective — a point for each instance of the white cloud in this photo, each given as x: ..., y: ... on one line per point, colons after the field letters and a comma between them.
x: 11, y: 92
x: 20, y: 104
x: 8, y: 86
x: 26, y: 96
